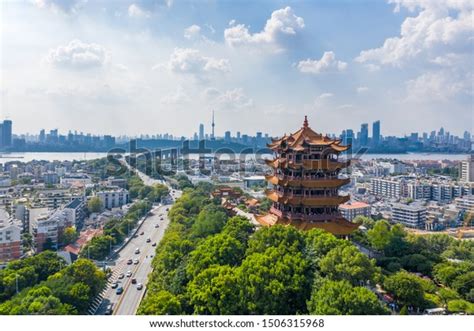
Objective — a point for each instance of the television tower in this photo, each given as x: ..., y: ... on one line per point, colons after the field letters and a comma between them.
x: 213, y: 125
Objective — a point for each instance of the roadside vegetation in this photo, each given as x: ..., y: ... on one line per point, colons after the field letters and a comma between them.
x: 46, y: 286
x: 210, y: 263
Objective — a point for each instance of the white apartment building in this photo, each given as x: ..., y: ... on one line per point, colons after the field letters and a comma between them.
x: 351, y: 210
x: 466, y: 169
x: 386, y: 187
x: 412, y: 216
x: 10, y: 237
x: 113, y: 198
x: 465, y: 203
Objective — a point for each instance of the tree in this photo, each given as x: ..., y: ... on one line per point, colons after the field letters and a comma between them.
x: 209, y: 221
x: 320, y: 242
x: 70, y: 235
x: 284, y: 238
x: 239, y: 228
x: 347, y: 263
x: 219, y: 249
x: 379, y: 236
x: 160, y: 303
x: 94, y: 205
x: 464, y: 283
x: 406, y: 288
x: 275, y: 282
x: 457, y: 306
x: 27, y: 241
x: 341, y: 298
x: 215, y: 291
x: 417, y: 263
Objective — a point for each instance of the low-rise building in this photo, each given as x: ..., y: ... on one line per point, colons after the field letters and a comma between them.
x: 113, y: 198
x: 412, y: 215
x: 352, y: 209
x: 10, y: 238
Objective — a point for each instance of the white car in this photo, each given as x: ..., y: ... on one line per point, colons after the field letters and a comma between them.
x: 129, y: 273
x: 135, y: 261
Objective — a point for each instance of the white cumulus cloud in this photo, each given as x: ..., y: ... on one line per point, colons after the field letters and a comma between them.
x: 439, y: 27
x: 282, y: 24
x: 78, y: 55
x: 135, y: 10
x: 65, y: 6
x: 192, y: 32
x: 327, y: 63
x: 191, y: 61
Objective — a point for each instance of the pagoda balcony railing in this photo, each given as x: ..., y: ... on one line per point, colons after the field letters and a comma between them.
x: 306, y: 200
x: 302, y: 216
x: 301, y: 181
x: 308, y: 164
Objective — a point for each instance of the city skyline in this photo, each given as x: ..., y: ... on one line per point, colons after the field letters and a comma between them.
x: 131, y: 68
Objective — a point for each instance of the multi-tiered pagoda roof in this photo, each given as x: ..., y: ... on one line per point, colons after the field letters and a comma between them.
x: 305, y: 182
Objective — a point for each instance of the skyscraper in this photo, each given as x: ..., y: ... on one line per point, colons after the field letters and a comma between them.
x: 6, y: 133
x: 201, y: 131
x: 227, y: 136
x: 376, y: 133
x: 364, y: 134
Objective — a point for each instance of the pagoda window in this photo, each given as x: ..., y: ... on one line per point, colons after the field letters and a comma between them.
x: 319, y: 211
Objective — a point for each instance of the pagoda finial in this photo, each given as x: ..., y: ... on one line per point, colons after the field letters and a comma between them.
x: 305, y: 123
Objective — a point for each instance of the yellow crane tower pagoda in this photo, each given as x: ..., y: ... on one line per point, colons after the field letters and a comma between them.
x: 305, y: 183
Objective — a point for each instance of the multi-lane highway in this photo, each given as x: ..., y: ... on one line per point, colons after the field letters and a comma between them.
x: 152, y: 230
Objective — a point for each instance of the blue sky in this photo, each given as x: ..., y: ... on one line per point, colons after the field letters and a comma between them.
x: 132, y: 67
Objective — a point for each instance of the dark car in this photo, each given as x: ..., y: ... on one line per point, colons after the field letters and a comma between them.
x: 134, y: 280
x: 142, y: 233
x: 154, y: 244
x: 119, y: 290
x: 129, y: 261
x: 148, y: 240
x: 110, y: 309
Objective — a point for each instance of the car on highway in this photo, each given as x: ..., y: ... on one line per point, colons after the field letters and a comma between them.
x: 129, y: 273
x: 119, y: 290
x: 139, y: 286
x: 114, y: 285
x: 148, y: 240
x: 137, y: 250
x: 129, y: 261
x: 161, y: 218
x: 142, y: 233
x: 157, y: 226
x: 110, y: 309
x: 134, y: 280
x: 135, y: 261
x: 167, y: 209
x: 121, y: 276
x: 153, y: 245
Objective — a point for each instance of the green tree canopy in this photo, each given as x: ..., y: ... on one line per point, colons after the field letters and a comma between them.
x: 341, y: 298
x: 406, y: 288
x: 348, y: 263
x: 215, y: 291
x: 94, y: 205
